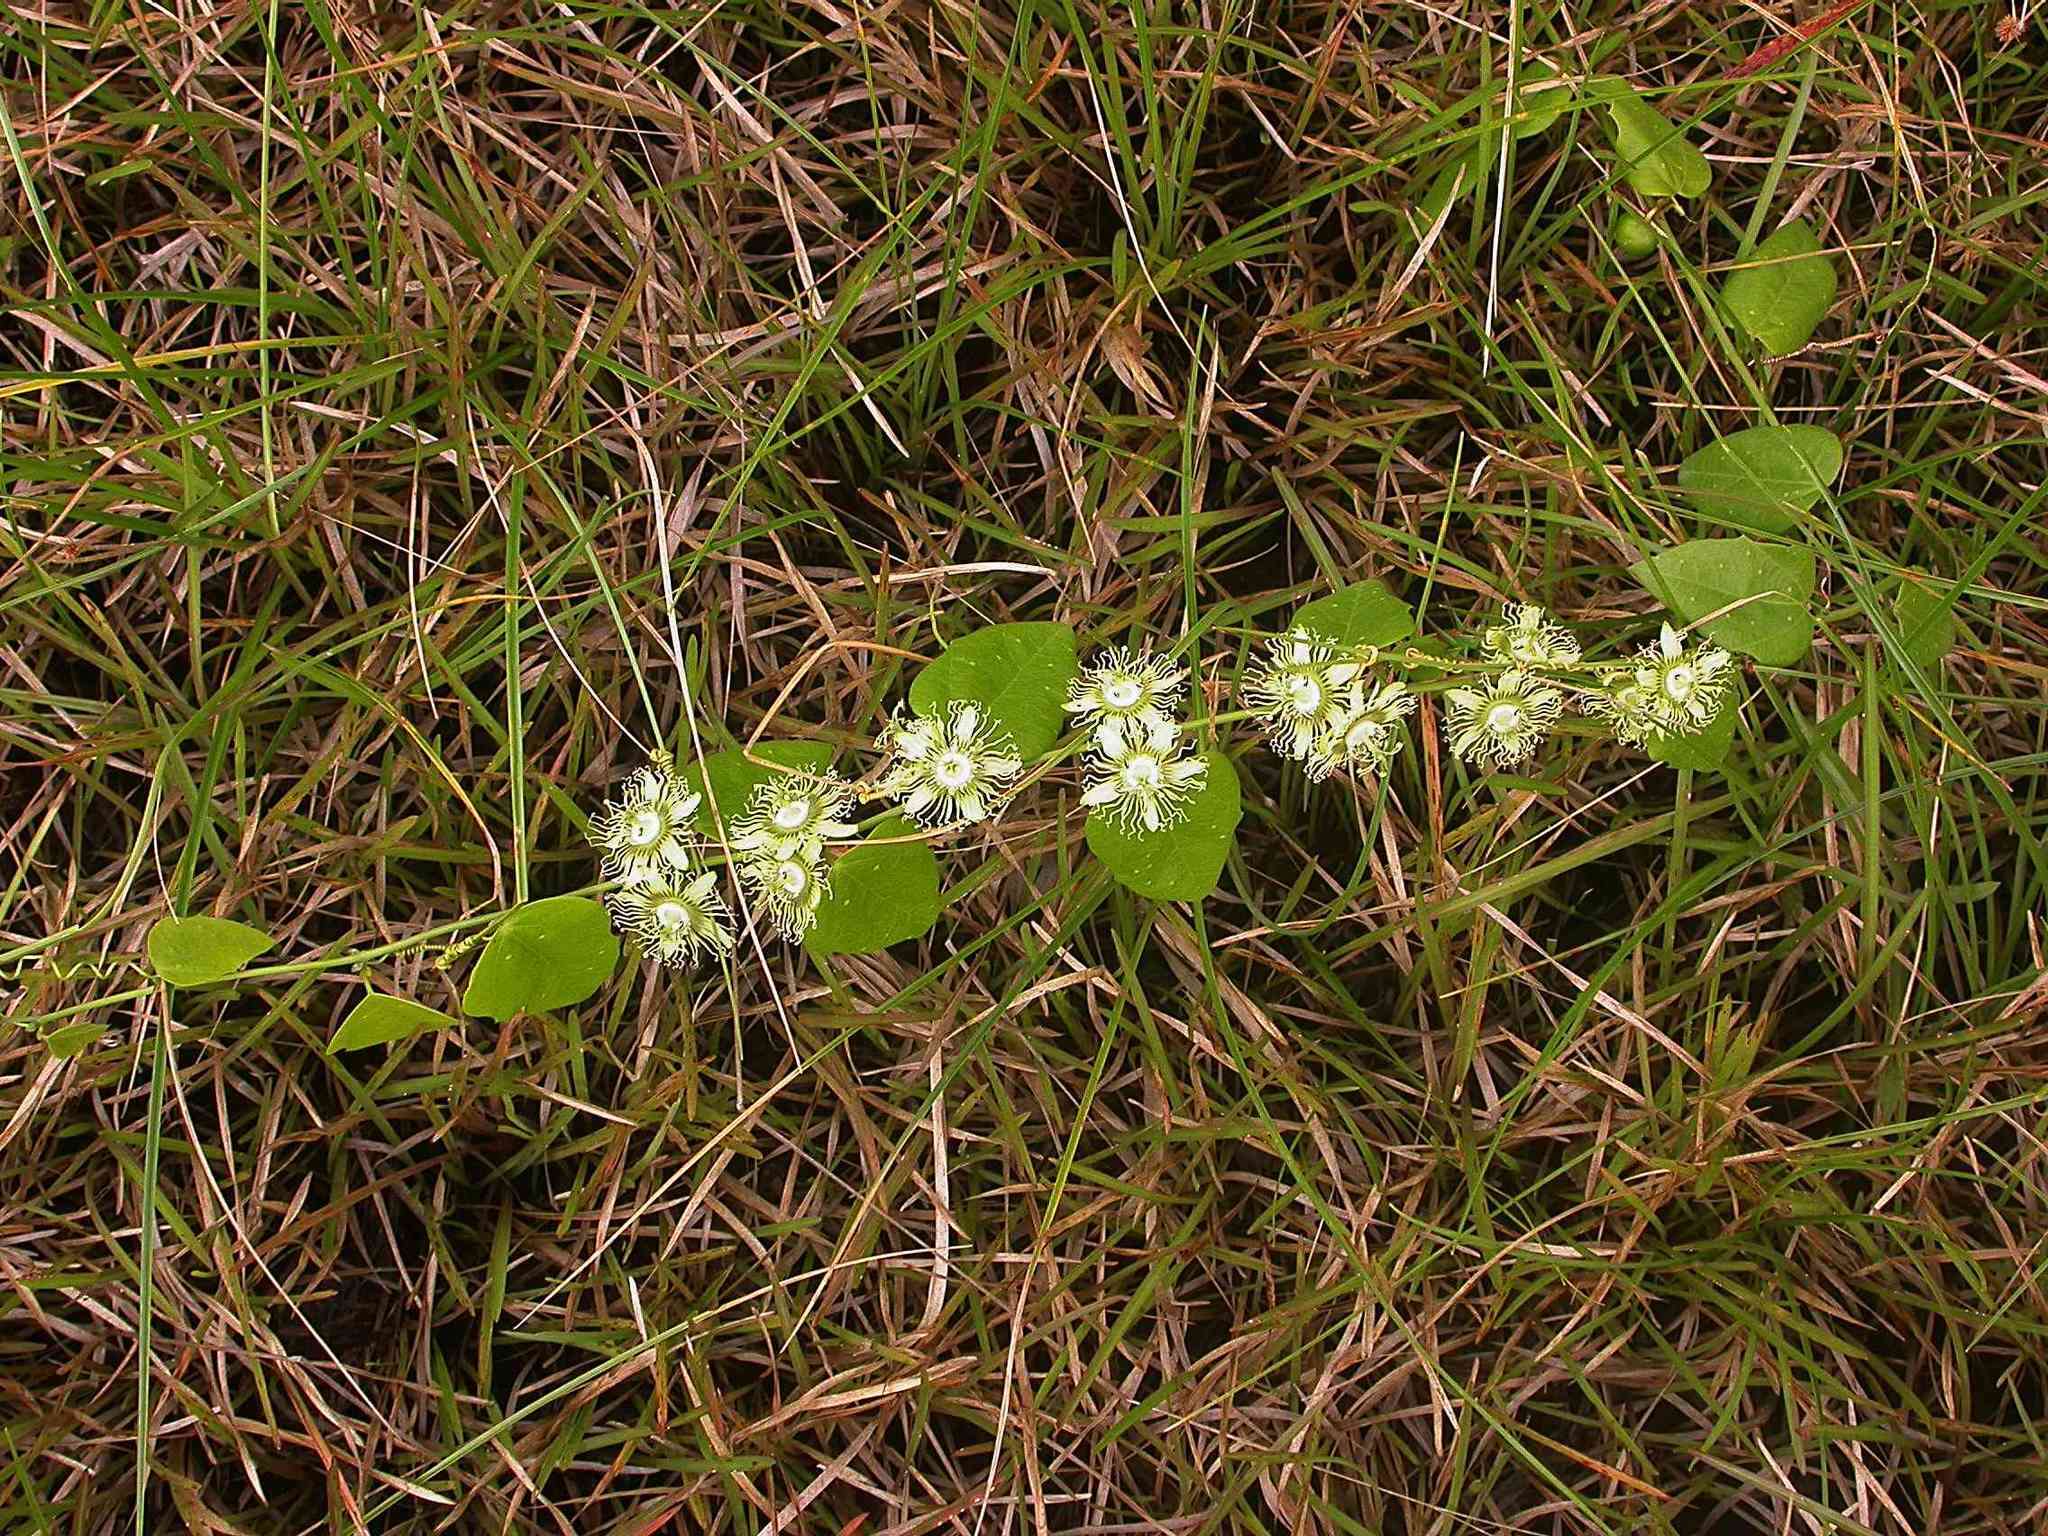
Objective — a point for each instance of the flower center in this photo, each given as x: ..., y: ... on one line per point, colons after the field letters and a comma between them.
x: 671, y: 915
x: 1304, y: 694
x: 1679, y: 682
x: 1504, y: 719
x: 954, y: 770
x: 792, y: 879
x: 1122, y: 693
x: 646, y: 828
x: 794, y: 816
x: 1141, y: 772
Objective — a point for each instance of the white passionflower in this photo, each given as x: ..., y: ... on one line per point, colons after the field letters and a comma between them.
x: 787, y: 891
x: 792, y: 815
x: 1627, y: 706
x: 1689, y: 686
x: 1529, y: 639
x: 646, y: 831
x: 1503, y: 721
x: 1365, y: 731
x: 949, y: 768
x: 1126, y: 695
x: 1146, y: 786
x: 675, y: 919
x: 1298, y: 689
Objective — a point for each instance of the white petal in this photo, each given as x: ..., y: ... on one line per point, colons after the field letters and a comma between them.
x: 1100, y: 794
x: 966, y: 722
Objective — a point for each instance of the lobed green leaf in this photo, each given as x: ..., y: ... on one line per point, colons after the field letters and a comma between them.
x: 551, y: 953
x: 1762, y: 477
x: 1781, y: 293
x: 1182, y: 862
x: 882, y: 893
x: 1018, y: 672
x: 377, y: 1020
x: 194, y: 951
x: 1759, y: 592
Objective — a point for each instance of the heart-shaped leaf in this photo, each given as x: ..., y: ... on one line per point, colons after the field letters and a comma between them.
x: 1704, y: 750
x: 1782, y: 290
x: 547, y: 954
x: 1364, y: 613
x: 727, y: 779
x: 192, y: 951
x: 1765, y: 587
x: 1656, y: 159
x: 377, y: 1020
x: 882, y: 893
x: 1017, y: 672
x: 1927, y: 624
x: 1184, y: 861
x: 1763, y: 477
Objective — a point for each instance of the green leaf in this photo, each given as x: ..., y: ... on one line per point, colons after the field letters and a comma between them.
x: 1763, y: 477
x: 1018, y: 672
x: 1539, y: 98
x: 1704, y: 750
x: 192, y: 951
x: 68, y: 1040
x: 1771, y: 582
x: 727, y: 779
x: 882, y: 893
x: 1927, y: 624
x: 1656, y: 158
x: 377, y: 1020
x: 547, y: 954
x: 1781, y: 292
x: 1364, y: 613
x: 1184, y: 861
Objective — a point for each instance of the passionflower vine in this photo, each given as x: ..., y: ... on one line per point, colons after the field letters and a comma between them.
x: 1146, y: 786
x: 1689, y: 685
x: 646, y: 831
x: 1298, y: 689
x: 1364, y: 732
x: 1503, y: 721
x: 793, y: 815
x: 1125, y: 695
x: 787, y: 890
x: 949, y: 768
x: 1529, y: 639
x: 676, y: 920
